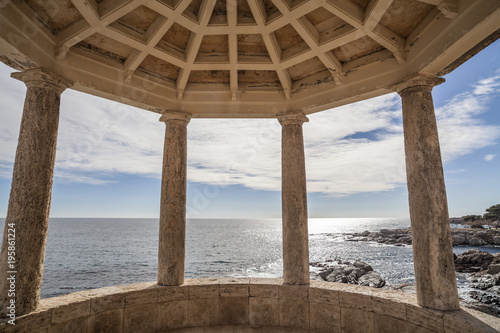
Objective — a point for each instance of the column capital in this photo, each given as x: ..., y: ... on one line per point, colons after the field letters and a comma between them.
x: 176, y: 117
x: 292, y: 118
x: 420, y: 82
x: 42, y: 78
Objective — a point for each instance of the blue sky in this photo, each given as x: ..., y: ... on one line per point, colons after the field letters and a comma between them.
x: 109, y: 156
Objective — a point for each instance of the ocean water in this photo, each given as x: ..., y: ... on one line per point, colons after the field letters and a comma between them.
x: 91, y: 253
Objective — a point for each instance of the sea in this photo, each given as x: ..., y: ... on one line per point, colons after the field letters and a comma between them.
x: 87, y: 253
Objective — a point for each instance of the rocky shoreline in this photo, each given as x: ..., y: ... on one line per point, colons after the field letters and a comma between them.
x: 401, y: 237
x: 481, y: 269
x: 357, y: 272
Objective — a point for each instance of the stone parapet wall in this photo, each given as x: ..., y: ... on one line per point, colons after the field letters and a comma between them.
x: 244, y: 305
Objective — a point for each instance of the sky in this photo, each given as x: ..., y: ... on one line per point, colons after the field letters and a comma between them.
x: 109, y: 155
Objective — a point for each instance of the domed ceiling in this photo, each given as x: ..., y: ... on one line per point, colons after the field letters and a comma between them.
x: 242, y: 58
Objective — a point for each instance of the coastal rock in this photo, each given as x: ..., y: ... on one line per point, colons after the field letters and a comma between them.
x: 473, y: 261
x: 313, y: 276
x: 486, y: 236
x: 484, y: 281
x: 494, y: 290
x: 399, y: 237
x: 459, y: 239
x: 358, y: 272
x: 476, y: 241
x: 485, y: 298
x: 485, y: 308
x: 371, y: 279
x: 483, y: 273
x: 474, y: 303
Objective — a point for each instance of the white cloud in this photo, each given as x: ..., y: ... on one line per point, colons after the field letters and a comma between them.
x: 488, y: 86
x: 456, y: 171
x: 96, y: 135
x: 460, y: 130
x: 489, y: 157
x: 339, y: 164
x: 351, y: 149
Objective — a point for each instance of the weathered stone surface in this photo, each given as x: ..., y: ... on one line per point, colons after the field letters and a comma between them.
x: 351, y: 309
x: 294, y: 200
x: 173, y: 315
x: 233, y: 310
x: 140, y: 318
x: 148, y: 295
x: 432, y: 248
x: 355, y: 301
x: 264, y: 287
x: 39, y: 318
x: 171, y: 248
x: 294, y: 313
x: 432, y: 320
x: 388, y: 324
x: 323, y: 295
x: 325, y: 317
x: 29, y: 202
x: 263, y: 311
x: 76, y: 306
x: 172, y: 293
x: 287, y: 291
x: 109, y: 302
x: 203, y: 312
x: 106, y: 322
x: 389, y: 307
x: 350, y: 321
x: 79, y: 325
x: 467, y: 320
x: 234, y: 287
x: 204, y: 291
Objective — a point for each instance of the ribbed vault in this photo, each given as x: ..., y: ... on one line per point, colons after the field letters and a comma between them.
x: 234, y: 57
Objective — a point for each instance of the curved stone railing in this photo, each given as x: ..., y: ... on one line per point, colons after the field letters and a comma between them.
x: 242, y: 304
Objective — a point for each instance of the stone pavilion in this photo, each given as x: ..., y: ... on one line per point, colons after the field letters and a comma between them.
x: 282, y: 59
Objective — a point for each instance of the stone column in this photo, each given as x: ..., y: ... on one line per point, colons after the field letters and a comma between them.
x: 430, y: 224
x: 171, y: 249
x: 29, y: 203
x: 294, y: 200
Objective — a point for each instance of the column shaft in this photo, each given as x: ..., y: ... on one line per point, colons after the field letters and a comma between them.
x: 432, y: 247
x: 294, y: 201
x: 29, y: 203
x: 171, y: 249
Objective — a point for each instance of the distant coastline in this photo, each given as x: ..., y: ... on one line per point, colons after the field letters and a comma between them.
x: 401, y: 237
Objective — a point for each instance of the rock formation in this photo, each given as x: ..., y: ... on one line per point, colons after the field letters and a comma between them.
x: 399, y: 237
x: 357, y: 272
x: 483, y: 270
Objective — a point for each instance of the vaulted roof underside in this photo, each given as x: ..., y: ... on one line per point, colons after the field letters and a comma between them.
x: 243, y: 58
